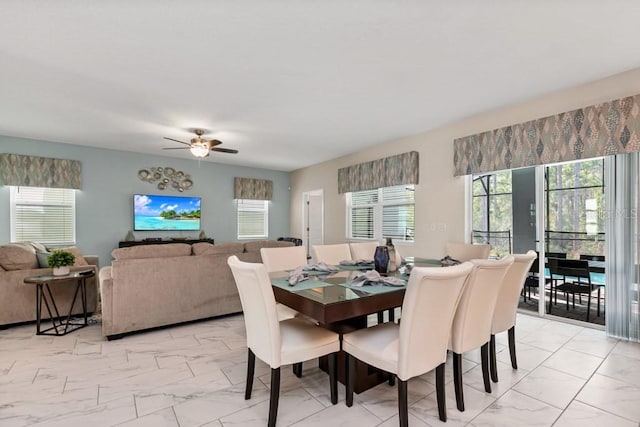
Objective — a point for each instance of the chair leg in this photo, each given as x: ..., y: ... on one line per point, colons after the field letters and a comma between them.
x: 484, y: 356
x: 403, y: 405
x: 275, y: 396
x: 392, y: 379
x: 297, y: 369
x: 251, y: 365
x: 492, y: 359
x: 457, y: 380
x: 598, y: 313
x: 440, y: 392
x: 333, y: 377
x: 350, y: 379
x: 392, y: 315
x: 512, y: 346
x: 588, y: 306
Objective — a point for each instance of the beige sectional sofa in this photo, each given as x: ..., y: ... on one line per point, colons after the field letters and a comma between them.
x: 148, y: 286
x: 18, y: 300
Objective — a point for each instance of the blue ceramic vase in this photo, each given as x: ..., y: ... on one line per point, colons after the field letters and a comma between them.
x: 381, y: 259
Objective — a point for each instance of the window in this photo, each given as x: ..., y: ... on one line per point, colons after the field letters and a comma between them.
x: 45, y: 215
x: 575, y: 201
x: 384, y: 212
x: 492, y: 211
x: 253, y: 219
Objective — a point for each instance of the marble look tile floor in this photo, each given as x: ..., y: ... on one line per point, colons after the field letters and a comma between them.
x: 193, y: 375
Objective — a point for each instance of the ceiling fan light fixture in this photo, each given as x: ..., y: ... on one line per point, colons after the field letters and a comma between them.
x: 199, y: 149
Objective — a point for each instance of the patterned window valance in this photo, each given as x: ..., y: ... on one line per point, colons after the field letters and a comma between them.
x: 599, y: 130
x: 253, y: 189
x: 394, y: 170
x: 32, y: 171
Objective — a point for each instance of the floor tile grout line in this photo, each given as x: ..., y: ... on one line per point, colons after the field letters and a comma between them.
x: 35, y: 376
x: 595, y: 371
x: 605, y: 411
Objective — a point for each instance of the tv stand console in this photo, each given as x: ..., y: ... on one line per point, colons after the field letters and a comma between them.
x: 126, y: 244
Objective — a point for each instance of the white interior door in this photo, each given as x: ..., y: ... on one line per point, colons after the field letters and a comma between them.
x: 313, y: 219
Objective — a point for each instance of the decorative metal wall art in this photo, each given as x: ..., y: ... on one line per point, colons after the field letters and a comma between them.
x: 166, y: 177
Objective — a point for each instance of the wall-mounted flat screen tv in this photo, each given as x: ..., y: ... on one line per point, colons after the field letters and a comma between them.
x: 153, y: 213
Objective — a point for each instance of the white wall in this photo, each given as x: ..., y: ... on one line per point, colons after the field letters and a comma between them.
x: 440, y: 200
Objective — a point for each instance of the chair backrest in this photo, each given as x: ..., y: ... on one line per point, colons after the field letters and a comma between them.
x: 562, y: 255
x: 592, y: 257
x: 504, y: 315
x: 363, y: 250
x: 597, y: 262
x: 472, y: 323
x: 578, y: 268
x: 332, y: 254
x: 259, y: 307
x: 467, y: 251
x: 286, y: 258
x: 431, y: 299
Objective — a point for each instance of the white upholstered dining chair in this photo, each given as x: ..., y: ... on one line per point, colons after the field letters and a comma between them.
x: 278, y: 342
x: 284, y: 258
x: 467, y: 251
x: 332, y: 254
x: 472, y: 323
x: 363, y: 250
x: 281, y: 259
x: 412, y: 348
x: 504, y: 315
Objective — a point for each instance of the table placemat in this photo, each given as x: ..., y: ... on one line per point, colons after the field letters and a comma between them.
x: 283, y: 283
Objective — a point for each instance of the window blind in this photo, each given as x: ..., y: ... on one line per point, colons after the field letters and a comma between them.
x: 383, y: 212
x: 253, y: 219
x: 45, y: 215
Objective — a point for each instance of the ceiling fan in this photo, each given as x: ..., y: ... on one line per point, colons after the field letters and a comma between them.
x: 201, y: 147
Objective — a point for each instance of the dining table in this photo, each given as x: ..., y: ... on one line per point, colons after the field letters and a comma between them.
x: 336, y: 302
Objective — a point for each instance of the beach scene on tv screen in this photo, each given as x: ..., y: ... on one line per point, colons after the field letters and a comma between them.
x: 166, y: 212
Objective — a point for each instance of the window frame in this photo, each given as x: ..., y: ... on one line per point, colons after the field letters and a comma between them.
x: 265, y: 218
x: 13, y: 220
x: 378, y: 207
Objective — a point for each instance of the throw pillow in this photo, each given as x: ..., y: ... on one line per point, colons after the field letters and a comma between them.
x: 39, y: 247
x: 43, y: 259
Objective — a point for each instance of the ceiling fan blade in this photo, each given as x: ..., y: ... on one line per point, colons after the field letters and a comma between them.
x: 176, y: 148
x: 181, y: 142
x: 224, y: 150
x: 215, y: 142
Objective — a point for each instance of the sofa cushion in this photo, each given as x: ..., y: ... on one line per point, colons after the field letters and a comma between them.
x: 255, y: 245
x: 227, y: 248
x: 18, y: 256
x: 79, y: 261
x: 152, y: 251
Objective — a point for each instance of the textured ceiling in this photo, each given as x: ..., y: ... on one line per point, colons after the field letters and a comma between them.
x: 290, y: 83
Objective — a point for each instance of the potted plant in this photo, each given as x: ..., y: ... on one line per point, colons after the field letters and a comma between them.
x: 60, y: 261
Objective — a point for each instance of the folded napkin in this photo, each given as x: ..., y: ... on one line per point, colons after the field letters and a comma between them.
x: 405, y: 269
x: 320, y: 266
x: 447, y: 261
x: 297, y: 276
x: 372, y: 277
x: 357, y: 262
